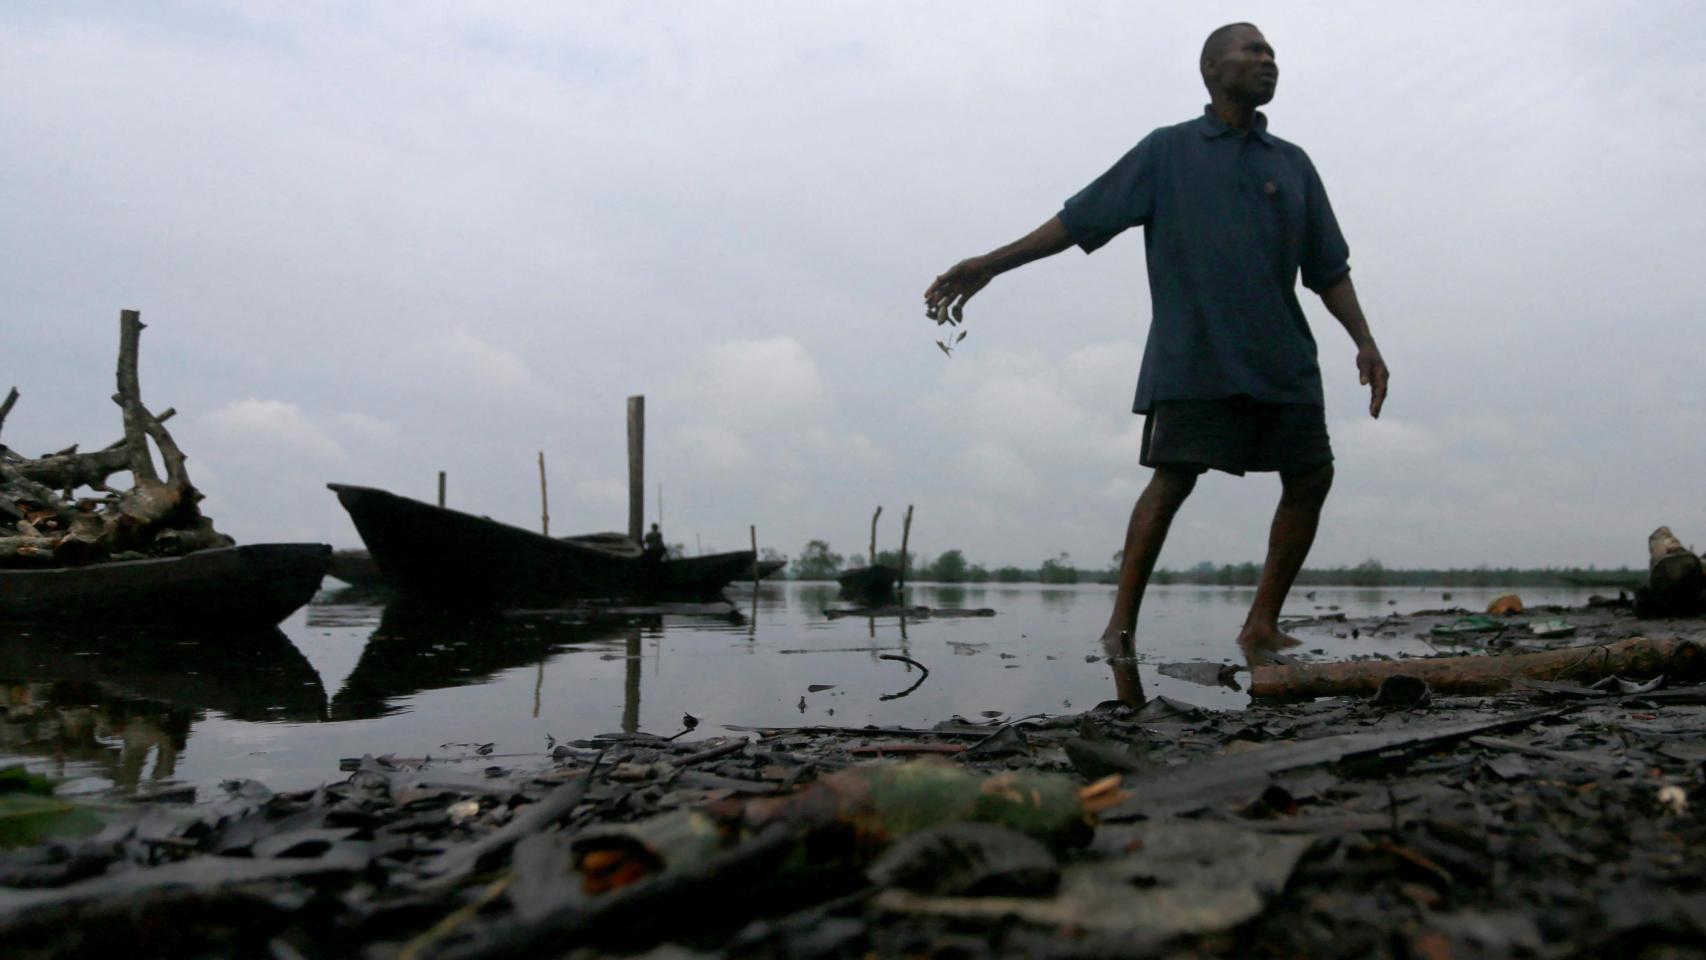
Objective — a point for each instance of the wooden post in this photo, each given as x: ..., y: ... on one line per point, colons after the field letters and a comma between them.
x: 441, y: 488
x: 544, y: 501
x: 631, y: 683
x: 874, y: 517
x: 636, y: 468
x: 752, y: 628
x: 905, y: 535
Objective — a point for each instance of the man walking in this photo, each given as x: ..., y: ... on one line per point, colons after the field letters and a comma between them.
x: 1232, y: 216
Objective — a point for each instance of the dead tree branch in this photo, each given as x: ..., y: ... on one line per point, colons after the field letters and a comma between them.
x: 129, y: 397
x: 6, y: 408
x: 155, y: 516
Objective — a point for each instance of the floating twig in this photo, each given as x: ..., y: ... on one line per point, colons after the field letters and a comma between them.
x: 923, y: 673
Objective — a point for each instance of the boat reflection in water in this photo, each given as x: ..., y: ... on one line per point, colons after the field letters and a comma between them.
x: 418, y: 648
x: 103, y: 701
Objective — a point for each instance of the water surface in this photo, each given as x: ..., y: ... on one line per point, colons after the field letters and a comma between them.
x: 350, y: 675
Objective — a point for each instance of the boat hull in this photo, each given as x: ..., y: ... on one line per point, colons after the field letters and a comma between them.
x: 253, y: 585
x: 874, y: 583
x: 453, y: 558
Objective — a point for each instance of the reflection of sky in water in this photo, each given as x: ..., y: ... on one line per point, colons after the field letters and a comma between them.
x: 419, y: 684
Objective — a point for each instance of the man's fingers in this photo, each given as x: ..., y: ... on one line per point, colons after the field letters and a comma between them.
x: 939, y: 289
x: 937, y: 299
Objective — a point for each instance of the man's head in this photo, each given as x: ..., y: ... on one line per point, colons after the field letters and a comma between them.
x: 1238, y: 64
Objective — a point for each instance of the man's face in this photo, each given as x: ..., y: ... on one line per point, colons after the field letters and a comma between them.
x: 1245, y: 70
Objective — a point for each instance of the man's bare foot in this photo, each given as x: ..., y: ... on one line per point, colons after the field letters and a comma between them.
x: 1262, y: 643
x: 1122, y: 658
x: 1118, y: 643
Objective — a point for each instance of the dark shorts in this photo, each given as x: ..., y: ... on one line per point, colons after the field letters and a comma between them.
x: 1238, y: 435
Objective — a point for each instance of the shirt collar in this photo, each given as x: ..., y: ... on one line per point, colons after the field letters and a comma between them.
x: 1212, y: 126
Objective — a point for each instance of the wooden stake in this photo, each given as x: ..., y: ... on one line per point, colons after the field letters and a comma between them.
x: 631, y: 683
x: 636, y: 468
x: 754, y: 556
x: 905, y: 535
x: 874, y: 517
x: 544, y: 501
x: 441, y: 488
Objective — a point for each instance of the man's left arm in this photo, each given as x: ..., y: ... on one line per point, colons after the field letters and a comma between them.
x: 1325, y: 268
x: 1341, y: 301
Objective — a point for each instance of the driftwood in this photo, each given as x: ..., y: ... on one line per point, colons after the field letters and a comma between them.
x: 6, y: 406
x: 1676, y: 581
x: 68, y: 470
x: 1635, y: 658
x: 41, y: 519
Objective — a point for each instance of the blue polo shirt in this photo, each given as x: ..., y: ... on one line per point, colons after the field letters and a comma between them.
x: 1230, y: 221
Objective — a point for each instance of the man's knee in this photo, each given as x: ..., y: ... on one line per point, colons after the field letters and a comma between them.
x: 1172, y: 485
x: 1310, y: 486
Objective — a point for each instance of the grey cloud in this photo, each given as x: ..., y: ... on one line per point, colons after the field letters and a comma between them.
x: 486, y: 226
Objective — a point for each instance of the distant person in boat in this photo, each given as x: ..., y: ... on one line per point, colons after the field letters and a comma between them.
x: 652, y: 546
x: 1232, y: 217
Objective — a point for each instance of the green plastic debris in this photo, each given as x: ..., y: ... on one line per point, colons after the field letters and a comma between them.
x: 31, y: 814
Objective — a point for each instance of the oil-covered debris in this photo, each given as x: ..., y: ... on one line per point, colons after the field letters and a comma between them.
x: 1555, y: 819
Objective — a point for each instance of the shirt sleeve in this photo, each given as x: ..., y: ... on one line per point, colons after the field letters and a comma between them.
x: 1120, y: 198
x: 1326, y: 256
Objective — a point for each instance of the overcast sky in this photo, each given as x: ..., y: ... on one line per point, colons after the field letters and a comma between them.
x: 373, y: 241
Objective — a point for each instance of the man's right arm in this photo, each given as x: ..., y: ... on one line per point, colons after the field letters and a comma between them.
x: 945, y: 301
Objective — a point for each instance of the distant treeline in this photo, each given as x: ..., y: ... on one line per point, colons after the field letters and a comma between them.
x: 817, y: 561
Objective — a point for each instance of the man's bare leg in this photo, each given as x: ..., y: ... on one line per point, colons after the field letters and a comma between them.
x: 1289, y: 540
x: 1144, y: 535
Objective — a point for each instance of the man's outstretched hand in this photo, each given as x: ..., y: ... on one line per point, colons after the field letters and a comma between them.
x: 945, y: 301
x: 1372, y: 372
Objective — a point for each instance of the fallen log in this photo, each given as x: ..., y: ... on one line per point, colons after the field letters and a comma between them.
x: 1635, y: 658
x: 68, y: 471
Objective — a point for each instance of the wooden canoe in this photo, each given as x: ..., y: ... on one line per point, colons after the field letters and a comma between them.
x: 252, y: 585
x: 455, y: 558
x: 874, y: 583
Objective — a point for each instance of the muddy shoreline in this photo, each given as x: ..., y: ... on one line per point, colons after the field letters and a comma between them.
x: 1531, y: 823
